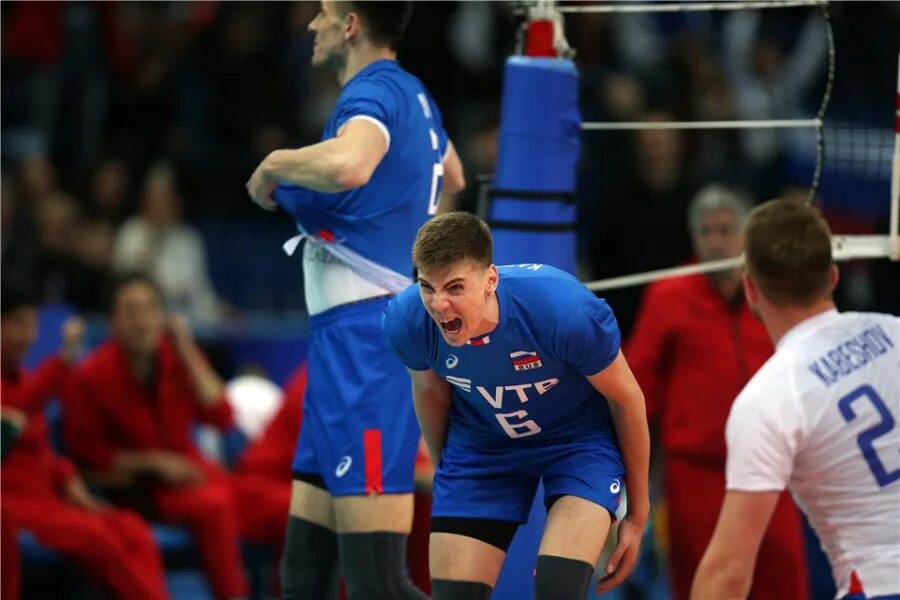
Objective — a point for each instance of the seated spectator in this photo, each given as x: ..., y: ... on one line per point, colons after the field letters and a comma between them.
x: 128, y: 417
x: 695, y: 344
x: 173, y: 253
x: 41, y: 491
x: 262, y: 484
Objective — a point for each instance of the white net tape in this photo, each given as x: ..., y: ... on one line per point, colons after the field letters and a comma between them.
x: 649, y: 7
x: 844, y: 247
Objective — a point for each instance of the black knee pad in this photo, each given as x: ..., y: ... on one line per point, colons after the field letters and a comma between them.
x: 374, y: 567
x: 558, y: 578
x: 309, y: 565
x: 449, y: 589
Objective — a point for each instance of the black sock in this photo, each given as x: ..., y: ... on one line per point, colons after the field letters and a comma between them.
x: 558, y: 578
x: 374, y: 567
x: 451, y: 589
x: 309, y: 566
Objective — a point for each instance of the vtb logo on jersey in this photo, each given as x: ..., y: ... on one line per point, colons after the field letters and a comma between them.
x: 524, y: 360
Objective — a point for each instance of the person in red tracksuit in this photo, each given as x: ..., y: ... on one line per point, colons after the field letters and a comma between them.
x: 128, y: 415
x: 262, y: 480
x: 41, y: 491
x: 695, y: 344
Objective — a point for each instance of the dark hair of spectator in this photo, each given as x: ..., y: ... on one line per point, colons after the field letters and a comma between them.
x: 17, y: 292
x: 126, y: 279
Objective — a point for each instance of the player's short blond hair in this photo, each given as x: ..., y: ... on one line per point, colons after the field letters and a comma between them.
x: 450, y: 238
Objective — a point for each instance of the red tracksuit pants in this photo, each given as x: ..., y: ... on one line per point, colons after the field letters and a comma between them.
x: 694, y: 496
x: 208, y: 512
x: 115, y: 547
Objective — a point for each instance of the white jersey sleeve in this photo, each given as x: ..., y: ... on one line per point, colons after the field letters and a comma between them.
x: 764, y: 431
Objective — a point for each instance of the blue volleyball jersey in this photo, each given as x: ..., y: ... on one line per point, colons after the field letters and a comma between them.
x: 525, y: 382
x: 372, y: 227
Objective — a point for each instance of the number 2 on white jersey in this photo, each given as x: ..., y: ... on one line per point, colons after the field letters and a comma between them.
x: 866, y: 439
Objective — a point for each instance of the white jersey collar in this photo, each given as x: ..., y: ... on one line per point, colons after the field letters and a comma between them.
x: 804, y: 328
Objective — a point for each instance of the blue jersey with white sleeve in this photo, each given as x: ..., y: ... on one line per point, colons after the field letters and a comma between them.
x: 524, y: 383
x: 372, y: 227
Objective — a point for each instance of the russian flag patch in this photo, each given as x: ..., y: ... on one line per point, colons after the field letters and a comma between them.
x: 524, y: 360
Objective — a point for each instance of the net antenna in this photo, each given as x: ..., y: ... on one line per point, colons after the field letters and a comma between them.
x: 543, y: 31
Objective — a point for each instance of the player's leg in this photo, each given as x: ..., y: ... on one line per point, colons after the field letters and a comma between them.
x: 309, y: 563
x: 477, y: 505
x: 372, y: 538
x: 365, y: 447
x: 466, y: 555
x: 582, y: 487
x: 574, y: 536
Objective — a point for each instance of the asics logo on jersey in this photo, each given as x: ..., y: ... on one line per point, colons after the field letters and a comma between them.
x: 343, y: 466
x: 530, y: 266
x: 615, y: 486
x: 451, y: 361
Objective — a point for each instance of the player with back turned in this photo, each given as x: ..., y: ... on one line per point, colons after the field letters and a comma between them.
x: 820, y: 418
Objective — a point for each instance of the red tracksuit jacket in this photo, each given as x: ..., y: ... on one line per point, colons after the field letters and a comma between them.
x: 692, y: 352
x: 108, y: 410
x: 33, y: 469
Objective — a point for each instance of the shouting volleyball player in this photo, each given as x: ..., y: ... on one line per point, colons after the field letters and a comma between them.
x: 358, y: 198
x: 820, y: 417
x: 519, y: 378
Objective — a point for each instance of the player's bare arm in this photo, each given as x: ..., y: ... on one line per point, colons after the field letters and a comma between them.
x: 626, y: 404
x: 431, y: 396
x: 726, y: 570
x: 341, y: 163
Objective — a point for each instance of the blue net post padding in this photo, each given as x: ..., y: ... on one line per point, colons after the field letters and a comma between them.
x: 532, y: 212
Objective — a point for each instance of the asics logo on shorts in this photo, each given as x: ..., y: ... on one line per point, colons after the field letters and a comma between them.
x: 452, y: 361
x: 615, y: 487
x: 343, y: 466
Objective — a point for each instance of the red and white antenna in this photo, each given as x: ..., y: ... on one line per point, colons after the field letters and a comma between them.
x: 544, y: 34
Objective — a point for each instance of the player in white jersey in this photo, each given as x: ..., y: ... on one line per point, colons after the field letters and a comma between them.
x: 820, y: 417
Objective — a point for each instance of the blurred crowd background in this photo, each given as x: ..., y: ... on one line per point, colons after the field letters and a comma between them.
x: 129, y: 129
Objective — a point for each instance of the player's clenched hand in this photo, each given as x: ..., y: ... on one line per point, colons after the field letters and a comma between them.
x: 624, y: 556
x: 260, y: 189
